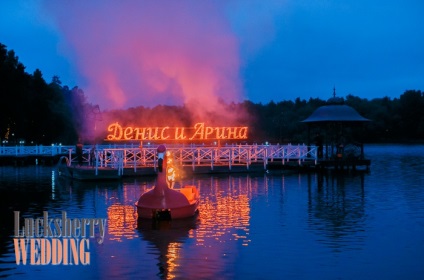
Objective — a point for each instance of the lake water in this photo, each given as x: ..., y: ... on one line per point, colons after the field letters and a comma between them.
x: 280, y: 226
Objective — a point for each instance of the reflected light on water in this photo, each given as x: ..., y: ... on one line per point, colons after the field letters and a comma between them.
x: 222, y: 223
x: 122, y: 221
x: 53, y: 184
x: 174, y: 249
x: 275, y: 226
x: 224, y: 212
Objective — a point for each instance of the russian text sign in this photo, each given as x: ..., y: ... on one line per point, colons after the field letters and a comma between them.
x: 198, y: 132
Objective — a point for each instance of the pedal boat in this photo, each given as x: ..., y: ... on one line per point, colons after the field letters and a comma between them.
x: 163, y: 202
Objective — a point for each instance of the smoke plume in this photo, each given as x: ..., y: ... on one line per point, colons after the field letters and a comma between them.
x: 145, y: 53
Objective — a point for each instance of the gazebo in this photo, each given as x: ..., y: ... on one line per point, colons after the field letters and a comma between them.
x: 332, y: 120
x: 335, y: 114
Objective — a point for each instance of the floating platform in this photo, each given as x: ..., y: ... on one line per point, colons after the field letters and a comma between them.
x: 322, y: 164
x: 87, y: 173
x: 115, y: 163
x: 107, y: 173
x: 343, y: 164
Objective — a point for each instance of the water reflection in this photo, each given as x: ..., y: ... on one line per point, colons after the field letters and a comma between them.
x: 167, y: 237
x: 225, y: 210
x: 224, y: 206
x: 223, y: 222
x: 288, y: 225
x: 122, y: 219
x: 224, y: 214
x: 336, y: 208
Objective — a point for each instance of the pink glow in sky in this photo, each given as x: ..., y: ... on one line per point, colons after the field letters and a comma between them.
x: 144, y: 53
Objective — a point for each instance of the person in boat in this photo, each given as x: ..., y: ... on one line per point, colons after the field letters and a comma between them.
x: 78, y: 150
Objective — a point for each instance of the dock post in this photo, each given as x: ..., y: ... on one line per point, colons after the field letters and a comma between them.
x: 193, y: 160
x: 97, y: 163
x: 70, y: 156
x: 211, y: 159
x: 230, y: 158
x: 248, y: 159
x: 135, y: 160
x: 299, y: 153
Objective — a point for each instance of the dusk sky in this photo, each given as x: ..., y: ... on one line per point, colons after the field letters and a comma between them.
x: 130, y: 53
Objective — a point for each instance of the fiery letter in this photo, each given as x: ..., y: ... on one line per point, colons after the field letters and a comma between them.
x: 209, y: 131
x: 128, y: 131
x: 117, y: 132
x: 153, y: 133
x: 220, y: 133
x: 200, y: 128
x: 243, y: 133
x: 179, y: 133
x: 140, y: 133
x: 162, y: 135
x: 232, y: 132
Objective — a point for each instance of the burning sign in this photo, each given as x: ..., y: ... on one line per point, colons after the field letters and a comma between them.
x: 198, y: 132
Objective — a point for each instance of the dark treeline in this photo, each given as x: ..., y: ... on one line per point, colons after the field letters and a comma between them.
x: 33, y: 111
x: 392, y: 120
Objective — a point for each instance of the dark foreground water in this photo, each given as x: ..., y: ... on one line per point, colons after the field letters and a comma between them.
x: 286, y: 226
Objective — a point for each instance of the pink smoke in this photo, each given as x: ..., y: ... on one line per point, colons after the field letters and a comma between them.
x: 144, y: 53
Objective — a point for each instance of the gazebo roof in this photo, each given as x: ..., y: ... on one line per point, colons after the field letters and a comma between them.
x: 335, y: 113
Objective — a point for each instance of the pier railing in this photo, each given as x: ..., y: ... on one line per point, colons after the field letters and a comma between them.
x: 34, y: 150
x: 124, y: 156
x: 120, y: 158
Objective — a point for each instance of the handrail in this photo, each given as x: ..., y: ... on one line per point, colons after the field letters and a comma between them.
x: 121, y: 156
x: 212, y: 156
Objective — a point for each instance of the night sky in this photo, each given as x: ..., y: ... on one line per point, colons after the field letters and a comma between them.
x: 129, y: 53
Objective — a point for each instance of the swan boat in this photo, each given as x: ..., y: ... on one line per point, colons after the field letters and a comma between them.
x: 163, y: 202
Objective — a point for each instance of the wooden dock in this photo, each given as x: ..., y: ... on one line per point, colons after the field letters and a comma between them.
x: 114, y: 162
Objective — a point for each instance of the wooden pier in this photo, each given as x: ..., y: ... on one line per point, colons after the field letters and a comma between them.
x: 114, y: 162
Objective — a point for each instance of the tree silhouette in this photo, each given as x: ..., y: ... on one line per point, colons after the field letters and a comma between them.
x: 37, y: 112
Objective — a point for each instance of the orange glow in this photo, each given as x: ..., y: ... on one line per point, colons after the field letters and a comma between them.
x: 229, y: 212
x: 198, y: 132
x: 178, y: 53
x: 122, y: 220
x: 172, y: 255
